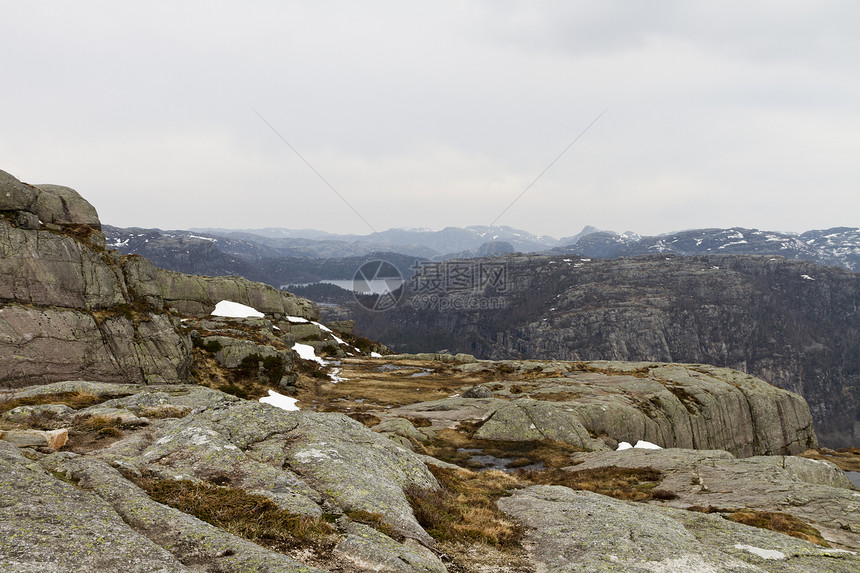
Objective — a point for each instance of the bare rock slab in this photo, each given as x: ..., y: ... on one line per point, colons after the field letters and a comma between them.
x: 572, y: 531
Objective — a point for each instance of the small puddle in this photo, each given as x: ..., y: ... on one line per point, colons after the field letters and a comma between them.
x: 490, y: 462
x: 389, y: 367
x: 420, y: 374
x: 854, y: 477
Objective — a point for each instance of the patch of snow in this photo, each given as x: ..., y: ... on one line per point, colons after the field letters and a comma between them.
x: 210, y: 239
x: 642, y: 444
x: 763, y: 553
x: 375, y: 355
x: 306, y: 352
x: 275, y: 327
x: 336, y: 377
x: 807, y: 277
x: 280, y: 401
x: 585, y: 260
x: 322, y: 327
x: 338, y: 340
x: 623, y: 446
x: 230, y: 309
x: 297, y: 319
x: 734, y: 243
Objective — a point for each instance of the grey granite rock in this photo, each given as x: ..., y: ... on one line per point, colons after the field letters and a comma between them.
x: 583, y: 531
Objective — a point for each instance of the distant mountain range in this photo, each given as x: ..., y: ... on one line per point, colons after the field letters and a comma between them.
x: 226, y: 251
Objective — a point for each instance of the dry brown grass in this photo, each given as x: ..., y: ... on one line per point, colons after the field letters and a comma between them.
x: 848, y: 459
x: 367, y: 388
x: 74, y: 400
x: 250, y: 516
x: 781, y: 522
x: 165, y: 411
x: 464, y: 510
x: 631, y: 484
x: 772, y: 520
x: 452, y: 446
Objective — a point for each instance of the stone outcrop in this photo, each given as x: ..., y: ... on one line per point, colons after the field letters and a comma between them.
x: 70, y: 309
x: 309, y: 463
x: 584, y: 531
x: 816, y: 492
x: 596, y: 405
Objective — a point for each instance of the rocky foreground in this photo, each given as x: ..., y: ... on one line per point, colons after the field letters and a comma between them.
x: 133, y: 437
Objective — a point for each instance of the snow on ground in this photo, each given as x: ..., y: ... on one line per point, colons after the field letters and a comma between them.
x: 807, y: 277
x: 280, y: 401
x: 375, y: 355
x: 763, y: 553
x: 336, y: 377
x: 306, y: 352
x: 297, y: 319
x: 230, y: 309
x: 641, y: 444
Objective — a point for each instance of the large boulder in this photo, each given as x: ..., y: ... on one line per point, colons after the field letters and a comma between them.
x: 64, y: 206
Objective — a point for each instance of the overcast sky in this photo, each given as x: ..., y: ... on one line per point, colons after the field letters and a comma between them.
x: 430, y: 114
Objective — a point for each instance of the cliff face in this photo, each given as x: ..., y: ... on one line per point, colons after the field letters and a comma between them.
x: 69, y: 308
x: 792, y: 323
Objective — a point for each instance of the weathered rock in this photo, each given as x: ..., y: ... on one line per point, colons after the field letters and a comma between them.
x: 234, y: 350
x: 197, y: 295
x: 370, y: 550
x: 64, y: 206
x: 190, y: 541
x: 43, y: 345
x: 400, y: 427
x: 49, y: 525
x: 815, y: 492
x: 671, y: 405
x: 287, y: 456
x: 478, y: 391
x: 14, y: 195
x: 52, y: 415
x: 54, y: 439
x: 584, y: 531
x: 528, y: 420
x: 50, y: 269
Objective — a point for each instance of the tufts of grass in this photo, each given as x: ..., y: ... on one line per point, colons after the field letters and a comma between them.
x: 109, y: 432
x: 365, y: 418
x: 97, y: 423
x: 847, y: 459
x: 772, y: 520
x: 375, y: 521
x: 165, y: 411
x: 781, y: 522
x: 74, y: 400
x: 253, y: 517
x: 464, y: 509
x: 631, y: 484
